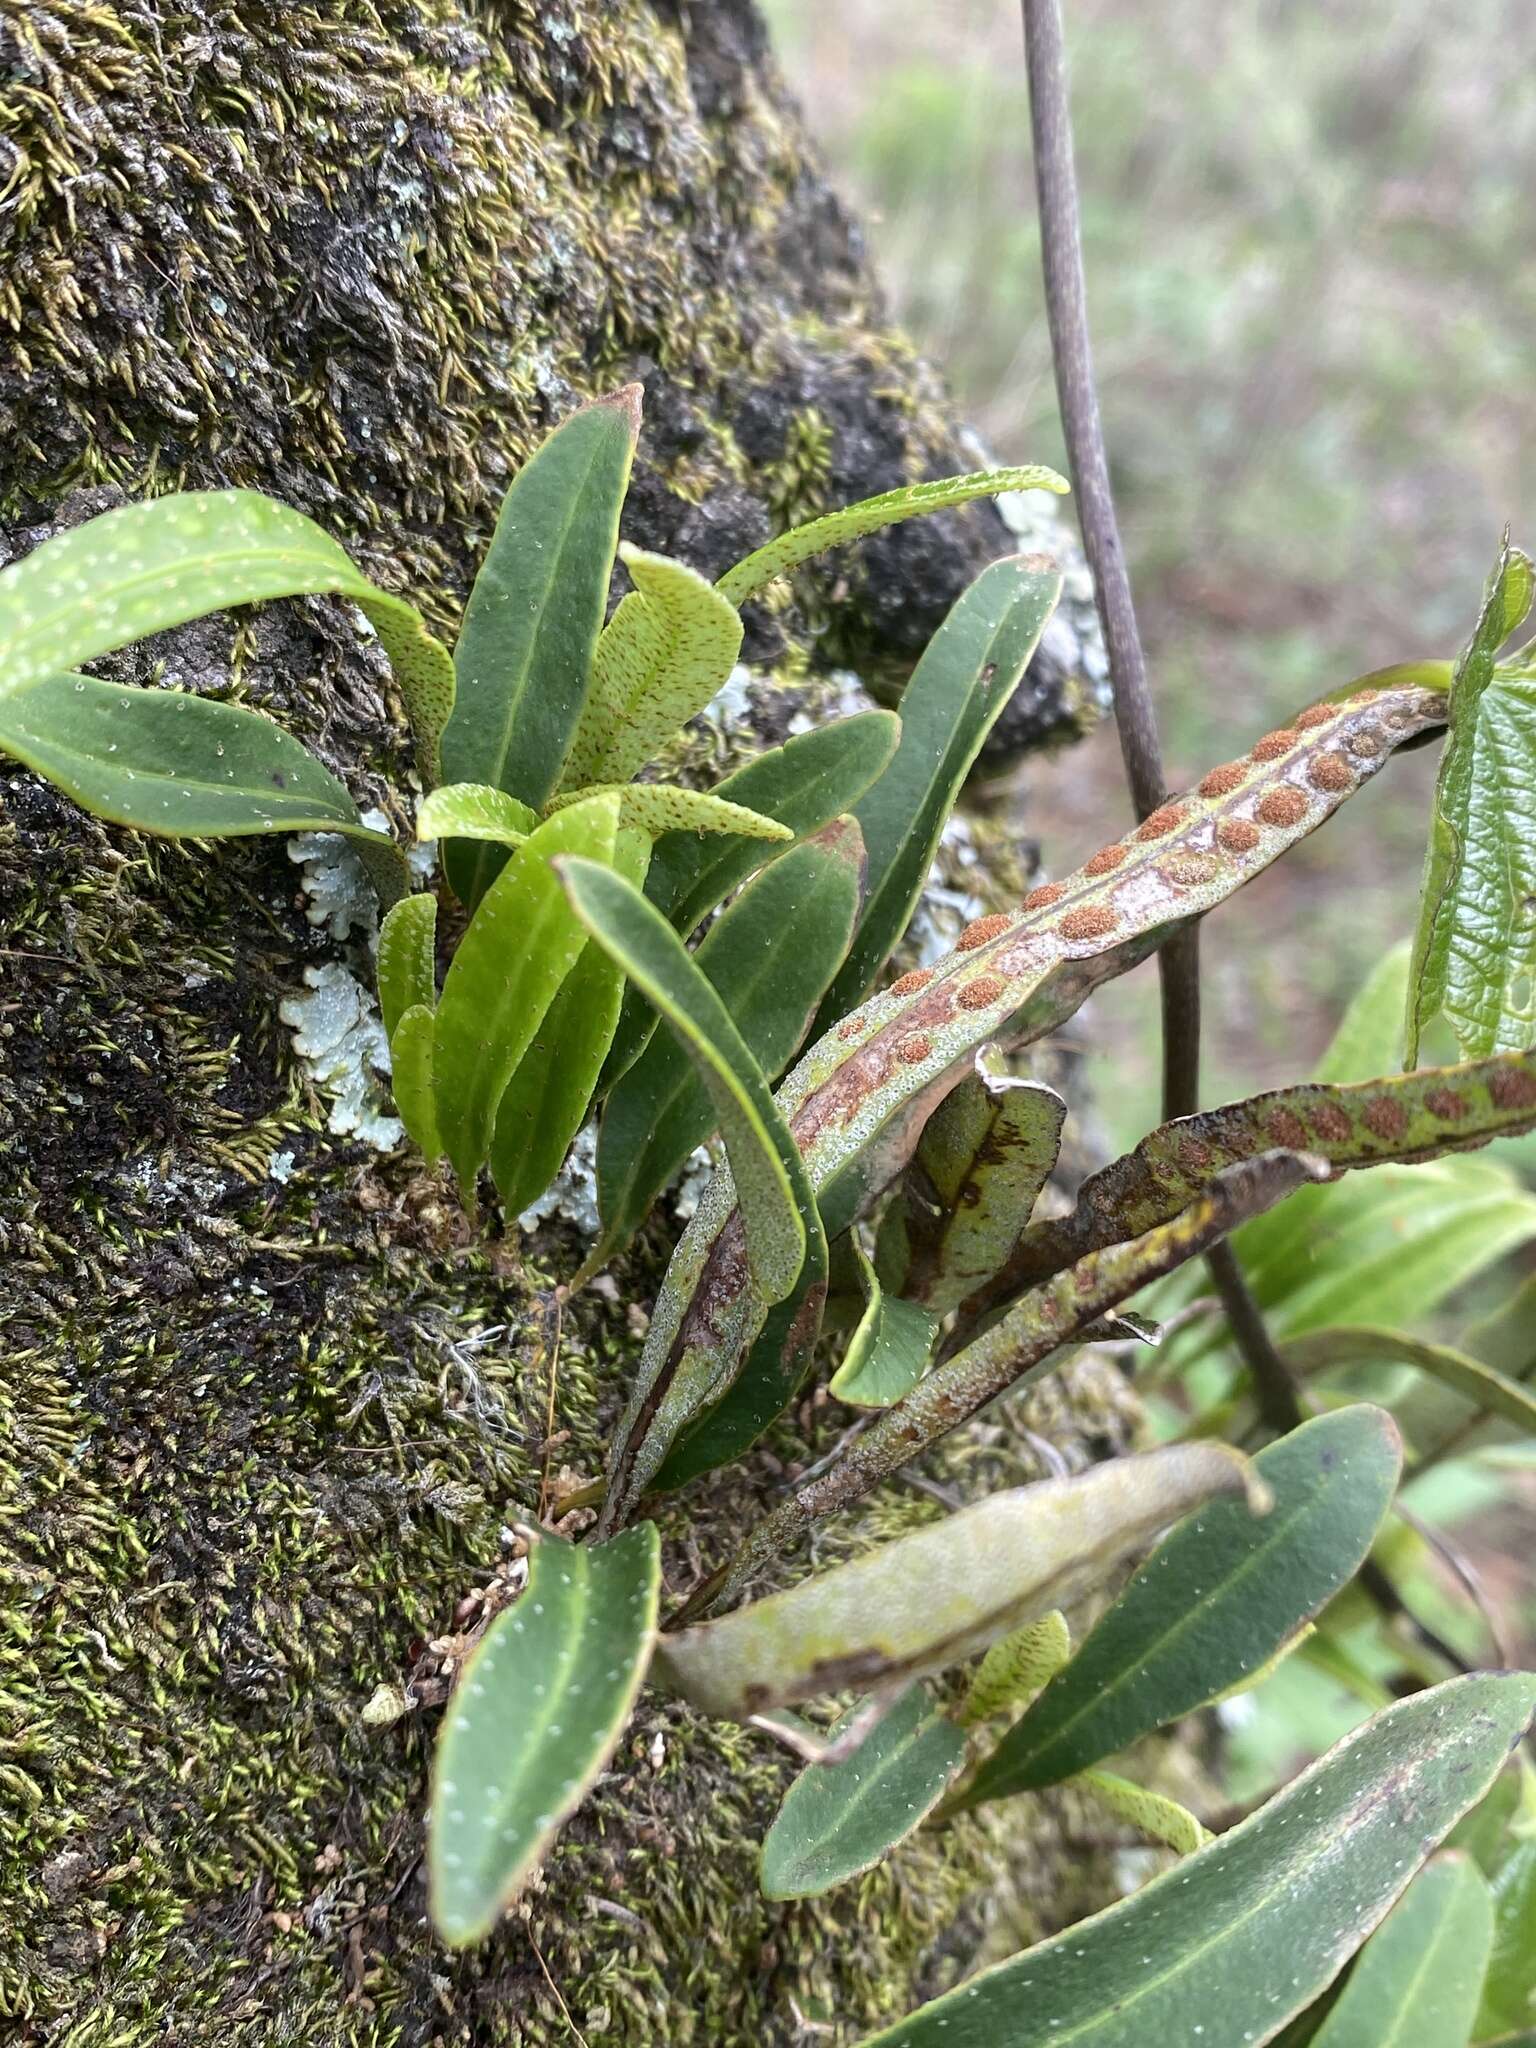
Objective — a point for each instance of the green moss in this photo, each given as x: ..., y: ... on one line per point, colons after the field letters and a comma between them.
x: 268, y: 1403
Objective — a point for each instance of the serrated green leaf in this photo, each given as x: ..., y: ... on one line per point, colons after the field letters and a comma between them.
x: 1016, y: 1668
x: 1242, y: 1936
x: 185, y: 767
x: 521, y: 943
x: 658, y: 807
x: 524, y: 658
x: 839, y: 1819
x: 536, y: 1714
x: 146, y: 567
x: 1352, y: 1344
x: 804, y: 784
x: 891, y: 1346
x: 1211, y: 1604
x: 1509, y: 1991
x: 549, y: 1097
x: 769, y: 957
x: 412, y: 1046
x: 407, y: 962
x: 668, y: 648
x: 1153, y: 1813
x: 1415, y: 1983
x: 985, y: 1154
x: 958, y: 689
x: 983, y: 1572
x: 1474, y: 954
x: 869, y: 516
x: 474, y: 810
x: 777, y: 1206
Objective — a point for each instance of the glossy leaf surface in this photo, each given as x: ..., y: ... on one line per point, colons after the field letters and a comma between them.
x: 801, y: 543
x: 146, y: 567
x: 521, y: 943
x: 777, y: 1205
x: 549, y: 1096
x: 890, y: 1348
x: 534, y: 1717
x: 966, y: 675
x: 168, y: 762
x: 986, y: 1570
x: 412, y: 1048
x: 407, y: 962
x: 659, y: 807
x: 840, y: 1818
x: 769, y: 957
x: 474, y: 810
x: 1242, y: 1936
x: 524, y: 658
x: 804, y: 785
x: 1212, y: 1604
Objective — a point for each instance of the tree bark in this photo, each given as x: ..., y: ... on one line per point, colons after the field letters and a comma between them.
x: 270, y: 1404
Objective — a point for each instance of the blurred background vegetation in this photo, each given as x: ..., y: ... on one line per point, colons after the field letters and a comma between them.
x: 1310, y: 236
x: 1311, y: 247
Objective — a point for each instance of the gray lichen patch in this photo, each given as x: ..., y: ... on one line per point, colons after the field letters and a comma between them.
x: 338, y: 1033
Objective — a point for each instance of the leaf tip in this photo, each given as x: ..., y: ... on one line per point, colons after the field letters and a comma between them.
x: 629, y: 402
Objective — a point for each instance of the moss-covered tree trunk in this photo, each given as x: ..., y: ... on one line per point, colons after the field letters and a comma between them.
x: 267, y: 1406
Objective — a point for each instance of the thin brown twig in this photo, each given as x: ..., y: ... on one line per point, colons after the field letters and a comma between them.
x: 1274, y: 1385
x: 538, y: 1955
x: 1066, y: 300
x: 1066, y: 305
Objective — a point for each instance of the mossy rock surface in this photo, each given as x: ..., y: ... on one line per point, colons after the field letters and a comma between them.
x: 268, y: 1405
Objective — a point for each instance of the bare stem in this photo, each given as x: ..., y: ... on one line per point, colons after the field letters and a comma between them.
x: 1066, y: 301
x: 1066, y: 305
x: 1273, y: 1383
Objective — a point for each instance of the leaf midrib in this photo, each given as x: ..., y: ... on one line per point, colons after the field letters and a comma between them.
x: 1285, y: 1870
x: 684, y: 1071
x: 307, y: 809
x: 867, y: 1786
x: 1277, y: 1531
